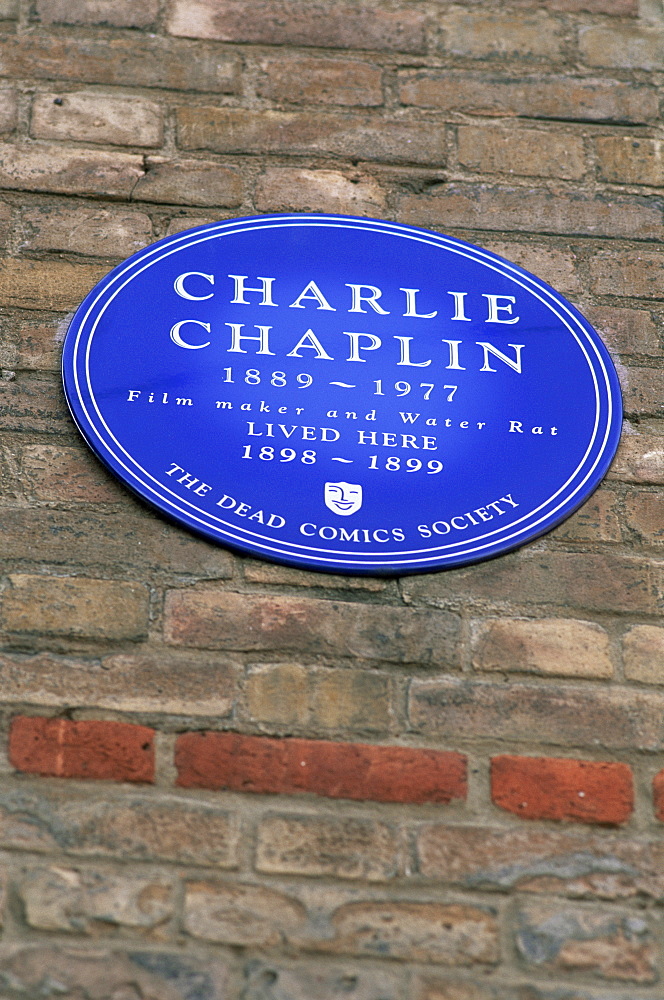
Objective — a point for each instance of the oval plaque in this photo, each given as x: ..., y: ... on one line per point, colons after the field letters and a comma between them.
x: 341, y: 393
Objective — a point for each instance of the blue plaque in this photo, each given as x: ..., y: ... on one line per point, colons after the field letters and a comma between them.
x: 341, y: 393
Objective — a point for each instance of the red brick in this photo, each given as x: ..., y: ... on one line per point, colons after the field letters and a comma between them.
x: 336, y: 770
x: 532, y: 210
x: 93, y: 117
x: 626, y: 331
x: 483, y: 33
x: 658, y: 795
x: 113, y: 751
x: 280, y: 22
x: 557, y: 97
x: 188, y: 182
x: 305, y: 133
x: 139, y: 60
x: 321, y: 81
x: 561, y: 789
x: 301, y: 190
x: 210, y: 619
x: 118, y: 13
x: 69, y: 171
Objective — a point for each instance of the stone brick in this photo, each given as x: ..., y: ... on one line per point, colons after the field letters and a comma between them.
x: 301, y: 80
x: 143, y: 682
x: 482, y: 33
x: 94, y: 609
x: 284, y: 22
x: 560, y: 789
x: 8, y: 110
x: 54, y: 285
x: 91, y: 901
x: 643, y: 390
x: 277, y: 980
x: 637, y: 273
x: 600, y: 582
x: 272, y: 573
x: 337, y: 770
x: 628, y: 160
x: 658, y: 795
x: 521, y: 151
x: 417, y: 932
x: 97, y: 232
x: 551, y: 647
x: 307, y: 133
x: 291, y: 694
x: 139, y: 60
x: 557, y: 267
x: 170, y: 828
x: 221, y: 620
x: 626, y: 331
x: 31, y: 404
x: 598, y: 520
x: 643, y: 654
x: 97, y: 973
x: 119, y: 121
x: 117, y: 13
x: 557, y: 97
x: 235, y: 914
x: 111, y: 751
x: 570, y: 716
x: 640, y: 456
x: 533, y: 859
x: 137, y: 538
x: 337, y: 846
x: 68, y: 171
x: 57, y: 473
x: 30, y: 342
x: 301, y: 190
x: 479, y: 206
x: 189, y: 182
x: 628, y: 48
x: 644, y: 515
x: 599, y: 942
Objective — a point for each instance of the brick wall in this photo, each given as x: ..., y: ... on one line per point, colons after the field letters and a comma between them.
x: 227, y: 780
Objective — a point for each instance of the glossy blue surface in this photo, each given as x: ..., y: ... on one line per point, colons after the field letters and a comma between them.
x: 343, y: 394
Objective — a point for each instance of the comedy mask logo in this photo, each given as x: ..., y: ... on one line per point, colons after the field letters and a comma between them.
x: 343, y: 498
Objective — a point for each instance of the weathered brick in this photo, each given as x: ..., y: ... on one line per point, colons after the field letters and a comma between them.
x: 90, y: 901
x: 170, y: 828
x: 97, y: 972
x: 521, y: 151
x: 31, y: 404
x: 627, y: 48
x: 119, y: 121
x: 557, y: 97
x: 211, y: 619
x: 434, y: 988
x: 56, y: 473
x: 302, y: 80
x: 8, y: 110
x: 482, y: 33
x: 533, y: 859
x: 272, y: 573
x: 132, y: 539
x: 108, y: 609
x: 118, y: 13
x: 183, y: 222
x: 29, y: 342
x: 98, y: 232
x: 644, y: 515
x: 637, y: 273
x: 417, y: 932
x: 301, y: 190
x: 111, y: 751
x: 143, y: 682
x: 480, y: 206
x: 290, y: 694
x: 617, y: 8
x: 557, y: 267
x: 643, y: 390
x: 231, y: 913
x: 599, y: 942
x: 550, y: 646
x: 284, y: 22
x: 569, y: 716
x: 54, y: 285
x: 8, y: 9
x: 598, y: 520
x: 643, y: 654
x: 302, y: 981
x: 5, y: 223
x: 628, y: 160
x: 640, y: 456
x: 137, y: 61
x: 658, y: 795
x: 600, y: 582
x: 302, y: 133
x: 338, y: 846
x: 337, y: 770
x: 561, y: 789
x: 69, y: 171
x: 626, y: 331
x: 188, y: 182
